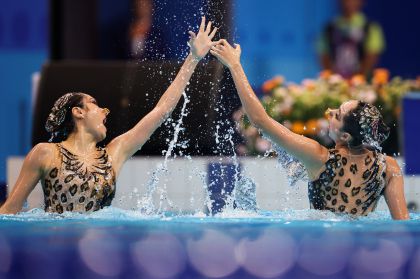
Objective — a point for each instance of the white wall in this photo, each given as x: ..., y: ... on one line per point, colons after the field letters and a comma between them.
x: 185, y: 181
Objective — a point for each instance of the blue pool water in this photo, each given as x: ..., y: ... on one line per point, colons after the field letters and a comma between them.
x: 115, y: 243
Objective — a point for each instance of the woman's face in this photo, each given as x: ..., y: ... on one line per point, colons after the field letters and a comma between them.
x: 336, y: 116
x: 95, y: 118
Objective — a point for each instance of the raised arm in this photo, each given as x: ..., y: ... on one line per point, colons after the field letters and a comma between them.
x: 394, y: 191
x: 124, y: 146
x: 31, y: 172
x: 308, y: 151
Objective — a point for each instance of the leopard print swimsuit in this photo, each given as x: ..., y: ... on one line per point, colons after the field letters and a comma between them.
x: 75, y: 186
x: 345, y: 186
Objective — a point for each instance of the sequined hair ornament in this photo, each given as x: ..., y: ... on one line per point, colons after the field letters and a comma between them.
x: 57, y: 115
x: 370, y: 121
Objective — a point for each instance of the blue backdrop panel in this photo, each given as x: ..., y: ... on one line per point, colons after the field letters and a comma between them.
x: 278, y: 37
x: 23, y: 24
x: 23, y: 49
x: 411, y: 124
x: 400, y: 25
x: 221, y: 181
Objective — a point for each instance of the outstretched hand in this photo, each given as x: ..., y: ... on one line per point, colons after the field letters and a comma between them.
x: 227, y: 55
x: 201, y: 42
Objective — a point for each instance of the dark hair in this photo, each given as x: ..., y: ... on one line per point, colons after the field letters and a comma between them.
x: 366, y: 126
x: 60, y: 121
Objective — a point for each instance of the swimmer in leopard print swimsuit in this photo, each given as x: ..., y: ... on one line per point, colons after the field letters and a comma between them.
x: 75, y: 174
x: 354, y: 188
x: 73, y: 186
x: 347, y: 179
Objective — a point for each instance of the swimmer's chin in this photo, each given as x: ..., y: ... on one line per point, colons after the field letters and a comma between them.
x: 102, y: 135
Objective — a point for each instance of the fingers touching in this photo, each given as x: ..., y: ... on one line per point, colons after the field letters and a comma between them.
x: 223, y: 44
x: 201, y: 42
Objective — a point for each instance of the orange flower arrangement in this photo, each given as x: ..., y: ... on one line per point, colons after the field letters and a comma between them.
x: 380, y: 76
x: 325, y: 74
x: 272, y: 83
x: 301, y: 107
x: 311, y: 127
x: 358, y: 80
x: 298, y: 127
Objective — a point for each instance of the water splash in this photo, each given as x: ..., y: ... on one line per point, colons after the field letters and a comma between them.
x: 231, y: 197
x: 238, y: 191
x: 294, y: 169
x: 146, y: 204
x: 117, y: 214
x: 203, y: 178
x: 245, y: 195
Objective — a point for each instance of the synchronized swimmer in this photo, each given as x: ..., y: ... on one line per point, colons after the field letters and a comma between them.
x: 78, y: 176
x: 75, y: 174
x: 349, y: 178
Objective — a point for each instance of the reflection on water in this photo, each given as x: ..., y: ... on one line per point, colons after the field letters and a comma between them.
x: 119, y: 243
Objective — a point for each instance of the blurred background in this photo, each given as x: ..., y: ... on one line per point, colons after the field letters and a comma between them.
x: 125, y: 53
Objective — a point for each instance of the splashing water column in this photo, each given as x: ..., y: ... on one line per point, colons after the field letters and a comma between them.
x: 146, y: 203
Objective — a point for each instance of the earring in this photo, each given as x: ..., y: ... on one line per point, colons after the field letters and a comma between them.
x: 107, y: 111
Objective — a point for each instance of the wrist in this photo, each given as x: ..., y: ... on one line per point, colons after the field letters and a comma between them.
x: 235, y: 66
x: 195, y: 58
